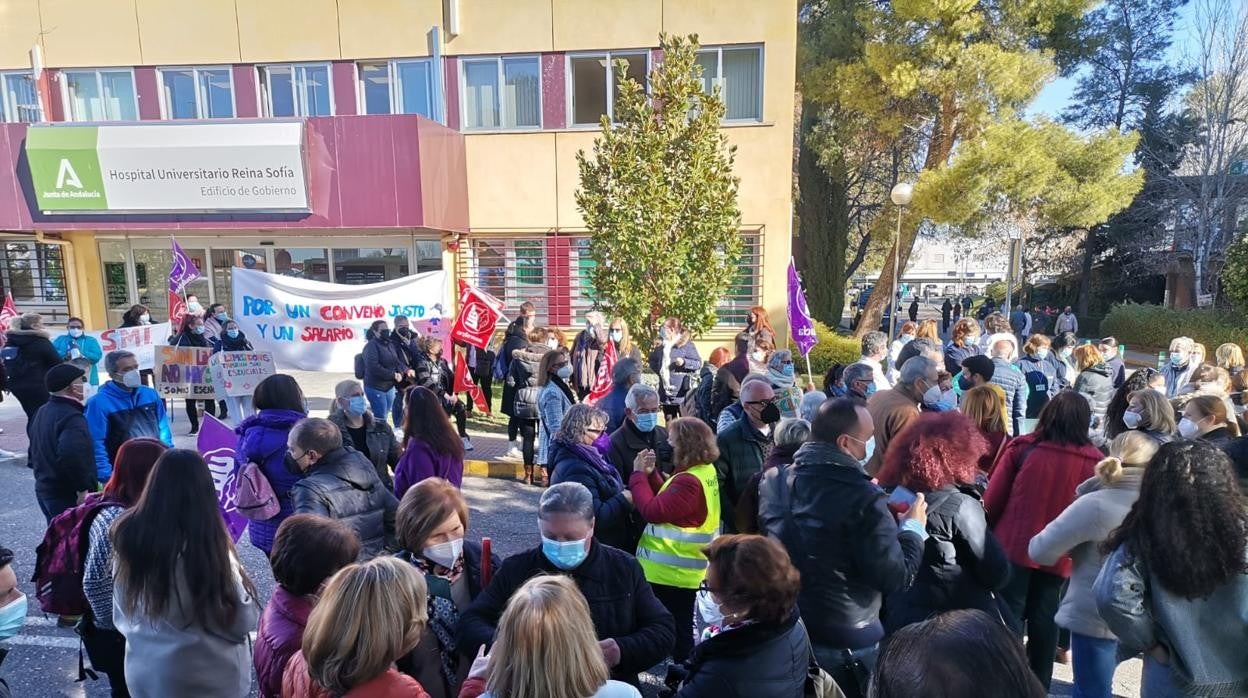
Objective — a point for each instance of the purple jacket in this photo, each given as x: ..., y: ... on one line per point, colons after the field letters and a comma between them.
x: 420, y: 462
x: 262, y: 439
x: 278, y: 638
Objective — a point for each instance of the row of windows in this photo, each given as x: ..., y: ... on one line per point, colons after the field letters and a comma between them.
x: 495, y: 93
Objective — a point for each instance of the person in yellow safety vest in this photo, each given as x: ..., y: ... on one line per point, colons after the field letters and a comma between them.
x: 683, y: 516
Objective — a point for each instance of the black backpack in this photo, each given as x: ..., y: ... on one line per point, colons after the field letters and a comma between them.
x: 359, y: 366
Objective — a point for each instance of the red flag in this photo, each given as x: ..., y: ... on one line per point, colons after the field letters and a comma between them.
x: 465, y: 384
x: 602, y: 383
x: 479, y: 313
x: 177, y: 310
x: 8, y: 313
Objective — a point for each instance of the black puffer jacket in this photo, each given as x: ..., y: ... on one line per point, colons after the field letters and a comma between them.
x: 383, y: 448
x: 35, y: 356
x: 522, y: 373
x: 1097, y: 385
x: 432, y: 373
x: 843, y: 540
x: 61, y: 450
x: 621, y: 603
x: 754, y: 660
x: 381, y: 362
x: 343, y: 485
x: 963, y: 564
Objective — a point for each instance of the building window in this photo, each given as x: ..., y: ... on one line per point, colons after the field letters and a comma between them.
x: 738, y: 71
x: 502, y: 92
x: 397, y: 87
x: 33, y: 273
x: 302, y: 263
x: 101, y: 95
x: 428, y: 256
x: 197, y: 93
x: 591, y: 80
x: 296, y: 90
x: 223, y: 263
x: 745, y: 290
x: 151, y: 275
x: 19, y: 101
x: 369, y: 265
x: 510, y: 269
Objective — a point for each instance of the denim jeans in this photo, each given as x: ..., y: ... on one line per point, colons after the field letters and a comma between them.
x: 380, y: 402
x: 1033, y: 597
x: 1157, y: 680
x: 1094, y: 661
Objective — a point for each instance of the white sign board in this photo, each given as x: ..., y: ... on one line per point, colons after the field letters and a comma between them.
x: 319, y: 326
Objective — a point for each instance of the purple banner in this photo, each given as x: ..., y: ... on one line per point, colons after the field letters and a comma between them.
x: 216, y: 444
x: 801, y: 327
x: 183, y: 270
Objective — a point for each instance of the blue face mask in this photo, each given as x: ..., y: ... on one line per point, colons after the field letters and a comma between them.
x: 870, y: 389
x: 564, y: 555
x: 788, y: 369
x: 232, y: 334
x: 356, y: 406
x: 1178, y: 359
x: 198, y: 329
x: 646, y: 422
x: 222, y: 317
x: 1042, y: 353
x: 12, y: 617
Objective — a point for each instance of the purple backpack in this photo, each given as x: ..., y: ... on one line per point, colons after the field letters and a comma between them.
x: 60, y: 560
x: 254, y: 498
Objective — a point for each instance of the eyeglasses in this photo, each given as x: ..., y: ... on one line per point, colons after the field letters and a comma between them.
x: 594, y: 431
x: 703, y: 586
x: 764, y: 403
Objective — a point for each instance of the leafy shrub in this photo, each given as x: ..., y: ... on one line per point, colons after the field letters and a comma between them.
x: 833, y: 348
x: 1235, y: 273
x: 1152, y: 326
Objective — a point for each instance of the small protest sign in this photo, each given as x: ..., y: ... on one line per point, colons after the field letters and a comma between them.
x: 182, y: 372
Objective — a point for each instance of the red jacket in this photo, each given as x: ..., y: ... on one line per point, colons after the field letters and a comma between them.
x: 1031, y: 484
x: 682, y: 504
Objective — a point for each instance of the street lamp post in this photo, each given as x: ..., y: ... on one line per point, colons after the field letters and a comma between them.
x: 901, y: 194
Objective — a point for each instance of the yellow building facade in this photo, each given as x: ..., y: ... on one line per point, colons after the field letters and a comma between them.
x: 511, y: 87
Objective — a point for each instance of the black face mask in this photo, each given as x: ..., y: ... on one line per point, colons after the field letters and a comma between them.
x: 384, y: 334
x: 964, y: 383
x: 291, y: 466
x: 770, y: 414
x: 404, y: 332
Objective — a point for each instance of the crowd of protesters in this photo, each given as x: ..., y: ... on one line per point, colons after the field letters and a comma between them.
x: 954, y: 516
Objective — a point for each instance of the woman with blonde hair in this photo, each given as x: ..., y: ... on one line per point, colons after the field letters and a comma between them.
x: 369, y: 615
x: 620, y: 336
x: 985, y: 406
x: 1100, y: 506
x: 1149, y: 413
x: 1095, y: 382
x: 1231, y: 358
x: 929, y: 329
x: 545, y: 647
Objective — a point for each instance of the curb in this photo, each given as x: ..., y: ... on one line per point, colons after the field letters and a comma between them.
x: 493, y: 469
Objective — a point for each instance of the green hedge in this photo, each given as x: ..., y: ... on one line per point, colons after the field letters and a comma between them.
x: 833, y: 348
x: 1152, y: 326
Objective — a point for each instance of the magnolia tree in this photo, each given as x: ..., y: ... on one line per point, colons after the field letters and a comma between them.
x: 659, y: 198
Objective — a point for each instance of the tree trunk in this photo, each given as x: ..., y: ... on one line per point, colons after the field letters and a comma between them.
x: 823, y: 224
x: 1085, y: 273
x: 937, y: 154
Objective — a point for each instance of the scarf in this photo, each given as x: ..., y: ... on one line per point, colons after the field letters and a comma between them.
x: 779, y: 379
x: 562, y: 384
x: 665, y: 370
x: 443, y: 614
x: 590, y: 455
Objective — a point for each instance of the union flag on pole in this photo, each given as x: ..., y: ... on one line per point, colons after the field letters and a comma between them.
x: 479, y: 313
x: 465, y: 384
x: 8, y: 313
x: 182, y: 272
x: 602, y: 382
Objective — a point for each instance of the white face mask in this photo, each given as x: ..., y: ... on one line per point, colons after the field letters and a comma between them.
x: 932, y: 396
x: 1188, y: 429
x: 445, y: 554
x: 552, y: 342
x: 758, y: 356
x: 132, y: 379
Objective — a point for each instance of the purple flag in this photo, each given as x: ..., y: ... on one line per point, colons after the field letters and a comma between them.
x: 801, y: 327
x: 216, y: 444
x: 183, y: 270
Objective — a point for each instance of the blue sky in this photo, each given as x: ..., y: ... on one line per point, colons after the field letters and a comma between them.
x: 1056, y: 95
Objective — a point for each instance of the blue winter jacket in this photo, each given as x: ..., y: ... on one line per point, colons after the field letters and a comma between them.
x: 1042, y: 382
x: 262, y: 440
x: 116, y: 415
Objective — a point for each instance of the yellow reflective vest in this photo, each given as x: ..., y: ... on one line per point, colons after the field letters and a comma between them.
x: 672, y: 555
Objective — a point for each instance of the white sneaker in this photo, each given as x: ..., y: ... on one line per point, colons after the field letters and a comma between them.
x: 513, y: 454
x: 467, y: 443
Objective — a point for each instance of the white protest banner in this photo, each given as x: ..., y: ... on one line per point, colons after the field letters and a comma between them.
x: 140, y: 341
x: 319, y: 326
x: 182, y: 372
x: 236, y: 373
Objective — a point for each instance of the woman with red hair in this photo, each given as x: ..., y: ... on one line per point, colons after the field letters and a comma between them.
x: 963, y: 564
